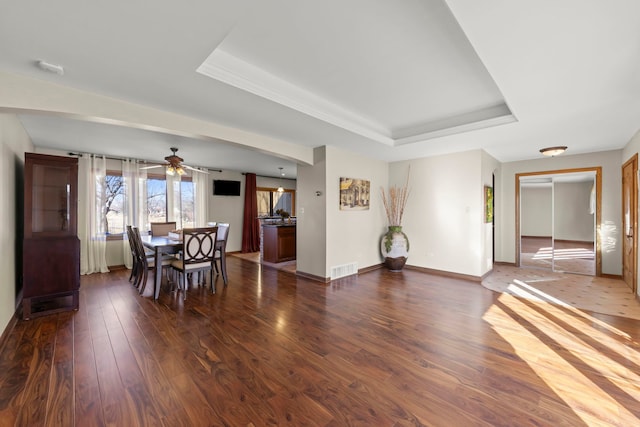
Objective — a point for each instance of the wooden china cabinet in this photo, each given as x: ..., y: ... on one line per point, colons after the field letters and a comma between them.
x: 51, y: 248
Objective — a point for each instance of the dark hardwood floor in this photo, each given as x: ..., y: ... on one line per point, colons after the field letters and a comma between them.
x: 380, y: 349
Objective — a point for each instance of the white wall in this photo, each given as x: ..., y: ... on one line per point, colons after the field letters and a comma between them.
x: 311, y: 214
x: 15, y: 142
x: 610, y: 161
x: 536, y: 208
x: 632, y: 147
x: 327, y: 236
x: 228, y: 208
x: 354, y: 236
x: 444, y: 217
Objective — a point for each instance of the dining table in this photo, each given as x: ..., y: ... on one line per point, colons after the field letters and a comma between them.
x: 166, y: 247
x: 163, y: 247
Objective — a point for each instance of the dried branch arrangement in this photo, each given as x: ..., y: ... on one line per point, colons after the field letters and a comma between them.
x: 395, y: 202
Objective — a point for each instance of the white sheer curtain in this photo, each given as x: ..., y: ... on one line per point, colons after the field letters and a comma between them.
x: 92, y: 172
x: 173, y: 199
x: 135, y: 206
x: 201, y: 195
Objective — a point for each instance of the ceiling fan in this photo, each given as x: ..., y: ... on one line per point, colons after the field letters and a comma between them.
x: 174, y: 164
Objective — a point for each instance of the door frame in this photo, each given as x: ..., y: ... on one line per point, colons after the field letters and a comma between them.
x: 598, y: 182
x: 634, y: 219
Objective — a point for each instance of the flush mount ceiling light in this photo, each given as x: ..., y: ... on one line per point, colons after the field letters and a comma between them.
x: 553, y: 151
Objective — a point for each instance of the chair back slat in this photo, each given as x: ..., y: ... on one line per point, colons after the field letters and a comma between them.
x: 131, y: 242
x: 139, y: 247
x: 223, y: 231
x: 198, y: 244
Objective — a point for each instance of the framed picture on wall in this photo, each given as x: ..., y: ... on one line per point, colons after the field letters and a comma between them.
x: 354, y: 194
x: 488, y: 204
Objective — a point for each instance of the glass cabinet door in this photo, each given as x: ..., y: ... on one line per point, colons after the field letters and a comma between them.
x: 51, y: 199
x: 50, y: 196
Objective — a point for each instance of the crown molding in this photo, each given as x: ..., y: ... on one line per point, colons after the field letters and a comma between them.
x: 229, y: 69
x: 233, y: 71
x: 475, y: 120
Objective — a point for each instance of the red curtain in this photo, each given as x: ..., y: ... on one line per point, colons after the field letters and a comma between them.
x: 251, y: 224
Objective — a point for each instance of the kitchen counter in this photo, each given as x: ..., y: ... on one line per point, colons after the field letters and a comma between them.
x: 278, y: 242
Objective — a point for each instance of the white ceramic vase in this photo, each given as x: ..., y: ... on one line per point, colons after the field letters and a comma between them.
x: 394, y: 246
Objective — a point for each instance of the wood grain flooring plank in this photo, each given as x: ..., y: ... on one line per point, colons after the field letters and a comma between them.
x: 246, y: 368
x: 33, y: 399
x: 271, y: 348
x: 140, y: 408
x: 197, y: 407
x: 15, y: 371
x: 299, y: 410
x: 60, y: 409
x: 164, y: 396
x: 112, y: 391
x: 88, y: 402
x: 230, y: 396
x: 16, y: 359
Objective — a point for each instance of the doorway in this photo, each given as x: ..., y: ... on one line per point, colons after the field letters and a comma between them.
x: 630, y: 223
x: 557, y: 213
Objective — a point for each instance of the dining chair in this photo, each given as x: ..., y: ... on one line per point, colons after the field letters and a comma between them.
x: 134, y: 255
x: 139, y: 256
x: 198, y: 255
x: 221, y: 249
x: 145, y: 261
x: 162, y: 228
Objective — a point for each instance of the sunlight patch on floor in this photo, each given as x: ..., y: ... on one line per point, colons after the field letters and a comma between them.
x: 543, y: 297
x: 583, y: 292
x: 577, y: 253
x: 521, y: 289
x: 581, y: 362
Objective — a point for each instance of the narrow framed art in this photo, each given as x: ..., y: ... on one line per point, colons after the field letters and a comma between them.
x: 488, y: 204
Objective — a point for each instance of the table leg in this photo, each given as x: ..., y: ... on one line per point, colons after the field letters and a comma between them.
x: 223, y: 265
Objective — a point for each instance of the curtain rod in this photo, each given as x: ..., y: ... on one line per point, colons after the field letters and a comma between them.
x: 269, y: 176
x: 137, y: 160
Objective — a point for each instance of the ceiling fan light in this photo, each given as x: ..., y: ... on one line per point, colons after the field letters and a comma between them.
x: 171, y: 171
x: 553, y: 151
x: 180, y: 170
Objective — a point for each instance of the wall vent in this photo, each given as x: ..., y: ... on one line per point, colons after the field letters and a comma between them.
x: 343, y: 270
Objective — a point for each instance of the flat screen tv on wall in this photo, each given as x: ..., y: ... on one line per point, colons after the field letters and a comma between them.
x: 226, y: 188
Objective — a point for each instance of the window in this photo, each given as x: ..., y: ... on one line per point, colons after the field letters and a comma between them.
x: 157, y: 202
x: 114, y: 203
x: 270, y: 200
x: 157, y: 198
x: 187, y: 204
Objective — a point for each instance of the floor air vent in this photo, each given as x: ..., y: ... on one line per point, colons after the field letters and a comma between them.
x: 344, y: 270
